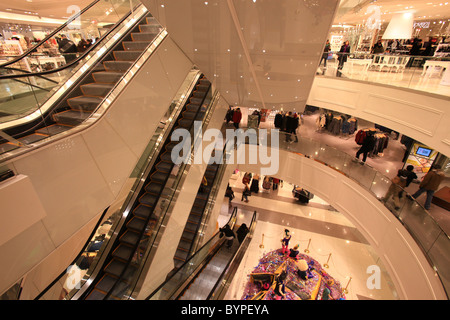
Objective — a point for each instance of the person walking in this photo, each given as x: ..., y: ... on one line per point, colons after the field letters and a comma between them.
x: 367, y: 146
x: 246, y: 193
x: 430, y: 184
x: 242, y: 232
x: 342, y: 57
x: 324, y: 57
x: 237, y: 116
x: 229, y: 235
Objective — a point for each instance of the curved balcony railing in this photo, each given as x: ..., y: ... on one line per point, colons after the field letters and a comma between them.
x: 427, y: 233
x: 429, y: 74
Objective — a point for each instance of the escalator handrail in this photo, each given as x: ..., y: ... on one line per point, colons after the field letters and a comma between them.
x: 74, y: 62
x: 232, y: 217
x: 225, y: 270
x: 50, y: 35
x: 141, y: 234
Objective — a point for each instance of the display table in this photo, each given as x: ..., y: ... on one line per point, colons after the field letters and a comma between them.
x: 364, y: 63
x: 391, y: 63
x: 432, y: 67
x: 442, y: 198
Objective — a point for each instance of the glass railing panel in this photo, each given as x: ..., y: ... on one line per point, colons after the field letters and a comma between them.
x: 419, y: 223
x: 439, y: 254
x: 182, y: 275
x: 423, y: 73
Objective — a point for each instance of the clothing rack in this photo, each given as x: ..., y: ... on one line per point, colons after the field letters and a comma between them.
x: 337, y: 124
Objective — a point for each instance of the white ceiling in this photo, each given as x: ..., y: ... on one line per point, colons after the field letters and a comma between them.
x: 261, y: 53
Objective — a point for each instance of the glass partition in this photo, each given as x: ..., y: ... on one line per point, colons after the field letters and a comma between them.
x: 430, y: 237
x: 423, y: 73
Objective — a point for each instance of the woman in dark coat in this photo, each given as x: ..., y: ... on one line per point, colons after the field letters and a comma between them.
x: 342, y: 57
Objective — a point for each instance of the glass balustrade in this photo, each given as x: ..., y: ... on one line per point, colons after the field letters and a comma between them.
x: 430, y: 237
x: 430, y: 74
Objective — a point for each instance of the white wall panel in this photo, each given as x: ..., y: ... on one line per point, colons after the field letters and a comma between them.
x: 419, y: 115
x: 17, y: 214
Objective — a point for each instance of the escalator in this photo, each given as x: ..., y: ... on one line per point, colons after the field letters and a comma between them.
x: 57, y: 112
x: 185, y: 246
x: 204, y: 274
x: 127, y: 251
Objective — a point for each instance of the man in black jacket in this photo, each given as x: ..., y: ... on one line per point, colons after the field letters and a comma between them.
x: 367, y: 146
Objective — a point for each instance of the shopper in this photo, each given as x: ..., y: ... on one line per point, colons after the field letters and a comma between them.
x: 278, y: 121
x: 242, y: 232
x: 396, y: 187
x: 430, y: 184
x: 229, y: 115
x: 246, y: 193
x: 230, y: 194
x: 254, y: 187
x: 229, y: 235
x: 295, y: 124
x: 377, y: 48
x: 275, y: 183
x: 237, y: 117
x: 325, y: 55
x: 367, y: 146
x: 342, y: 57
x: 289, y: 126
x: 285, y: 241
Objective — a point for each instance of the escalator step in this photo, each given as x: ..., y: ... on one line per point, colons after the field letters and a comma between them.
x: 135, y: 45
x: 167, y: 157
x: 202, y: 88
x: 170, y: 145
x: 130, y: 237
x: 154, y: 188
x: 84, y: 103
x: 71, y: 117
x: 107, y: 76
x: 189, y: 115
x: 185, y: 123
x: 32, y: 138
x: 136, y: 224
x: 96, y: 295
x: 187, y: 236
x: 127, y: 55
x: 159, y: 176
x: 118, y: 65
x: 192, y: 107
x: 191, y: 227
x: 184, y: 245
x: 143, y: 36
x: 143, y: 211
x: 96, y: 89
x: 181, y: 255
x: 150, y: 28
x: 152, y: 20
x: 149, y: 199
x: 195, y: 100
x: 201, y: 203
x: 164, y: 167
x: 115, y: 267
x: 54, y: 129
x: 194, y: 218
x: 106, y: 283
x: 6, y: 147
x: 123, y: 252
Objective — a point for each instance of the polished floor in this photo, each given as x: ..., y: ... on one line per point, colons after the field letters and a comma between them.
x: 316, y: 227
